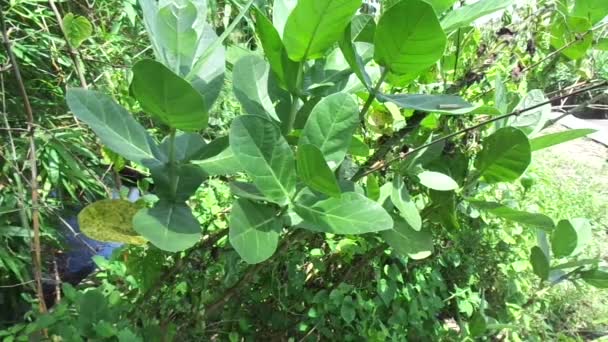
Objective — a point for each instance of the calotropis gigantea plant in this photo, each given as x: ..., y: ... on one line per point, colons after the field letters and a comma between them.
x: 304, y: 139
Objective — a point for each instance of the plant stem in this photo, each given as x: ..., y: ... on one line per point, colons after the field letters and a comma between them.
x: 468, y: 129
x: 78, y: 66
x: 172, y: 164
x: 37, y: 259
x: 372, y: 95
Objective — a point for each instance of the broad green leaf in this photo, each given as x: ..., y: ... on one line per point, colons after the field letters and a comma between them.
x: 593, y: 10
x: 188, y: 146
x: 281, y: 10
x: 571, y: 35
x: 250, y: 85
x: 110, y: 221
x: 348, y: 309
x: 417, y: 244
x: 114, y: 126
x: 314, y: 172
x: 330, y: 127
x: 187, y: 180
x: 443, y: 104
x: 597, y: 278
x: 576, y: 263
x: 504, y: 212
x: 352, y: 213
x: 441, y: 6
x: 505, y: 156
x: 314, y: 26
x: 532, y: 121
x: 183, y: 43
x: 217, y: 159
x: 363, y: 28
x: 556, y: 138
x: 465, y: 15
x: 405, y: 204
x: 478, y: 324
x: 437, y: 181
x: 352, y: 58
x: 246, y: 190
x: 409, y: 38
x: 564, y: 239
x: 540, y: 264
x: 175, y: 27
x: 264, y: 154
x: 273, y: 46
x: 168, y: 97
x: 584, y: 233
x: 77, y: 29
x: 254, y: 230
x: 372, y: 188
x: 169, y: 226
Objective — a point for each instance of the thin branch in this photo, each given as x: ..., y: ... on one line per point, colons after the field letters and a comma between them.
x: 71, y: 51
x: 37, y: 259
x: 393, y: 141
x: 251, y: 271
x: 474, y: 127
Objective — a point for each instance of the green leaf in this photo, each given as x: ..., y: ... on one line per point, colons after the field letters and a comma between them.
x: 571, y: 35
x: 597, y: 278
x: 556, y: 138
x: 330, y: 127
x: 563, y: 239
x: 409, y: 38
x: 250, y: 85
x: 187, y: 180
x: 110, y: 221
x: 540, y: 263
x: 443, y: 104
x: 217, y: 159
x: 347, y: 310
x: 77, y: 29
x: 352, y: 213
x: 182, y: 42
x: 353, y: 59
x: 281, y: 10
x: 114, y: 126
x: 168, y: 97
x: 505, y: 156
x: 504, y: 212
x: 532, y: 121
x: 246, y: 190
x: 273, y: 46
x: 363, y: 28
x: 593, y: 10
x: 372, y: 188
x: 314, y: 172
x: 254, y: 230
x: 407, y: 241
x: 465, y: 15
x: 441, y: 6
x: 437, y: 181
x: 169, y: 226
x: 314, y: 26
x: 407, y: 207
x: 188, y: 146
x: 584, y: 233
x: 264, y: 154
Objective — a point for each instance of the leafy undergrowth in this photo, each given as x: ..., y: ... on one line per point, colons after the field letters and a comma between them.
x: 571, y: 180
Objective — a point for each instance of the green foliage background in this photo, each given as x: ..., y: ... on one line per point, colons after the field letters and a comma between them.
x: 465, y: 276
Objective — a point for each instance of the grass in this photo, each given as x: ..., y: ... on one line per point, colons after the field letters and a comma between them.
x: 572, y: 181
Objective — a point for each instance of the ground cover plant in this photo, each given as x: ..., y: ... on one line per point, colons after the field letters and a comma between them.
x: 309, y: 169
